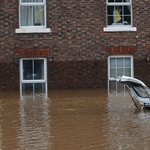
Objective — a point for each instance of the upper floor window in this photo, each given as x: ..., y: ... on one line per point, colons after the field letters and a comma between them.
x: 32, y: 13
x: 32, y: 17
x: 119, y: 14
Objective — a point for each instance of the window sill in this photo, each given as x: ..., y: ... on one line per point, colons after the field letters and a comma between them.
x: 119, y: 29
x: 33, y: 30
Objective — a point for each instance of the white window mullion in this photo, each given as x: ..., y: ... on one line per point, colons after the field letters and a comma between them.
x: 122, y: 13
x: 45, y: 70
x: 21, y: 72
x: 21, y: 76
x: 131, y: 15
x: 33, y: 88
x: 45, y: 15
x: 116, y: 65
x: 118, y: 4
x: 132, y: 67
x: 33, y: 68
x: 124, y: 66
x: 116, y: 87
x: 46, y: 88
x: 35, y: 81
x: 32, y: 15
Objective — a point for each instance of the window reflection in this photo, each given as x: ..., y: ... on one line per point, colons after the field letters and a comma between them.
x: 35, y: 123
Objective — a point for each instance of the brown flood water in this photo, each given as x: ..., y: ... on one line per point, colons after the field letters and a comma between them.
x: 73, y: 120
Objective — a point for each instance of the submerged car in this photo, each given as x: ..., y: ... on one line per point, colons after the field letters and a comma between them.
x: 140, y: 91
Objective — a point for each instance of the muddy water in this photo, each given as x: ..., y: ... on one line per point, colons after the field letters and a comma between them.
x: 73, y: 120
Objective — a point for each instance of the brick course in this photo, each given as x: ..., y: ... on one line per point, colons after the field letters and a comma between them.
x: 32, y: 52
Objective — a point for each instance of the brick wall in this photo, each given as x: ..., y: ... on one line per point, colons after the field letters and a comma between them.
x: 9, y: 76
x: 76, y: 44
x: 77, y: 74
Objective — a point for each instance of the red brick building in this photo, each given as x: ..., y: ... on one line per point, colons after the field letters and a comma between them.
x: 63, y: 44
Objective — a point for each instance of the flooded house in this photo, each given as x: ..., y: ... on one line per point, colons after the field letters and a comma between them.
x: 53, y: 44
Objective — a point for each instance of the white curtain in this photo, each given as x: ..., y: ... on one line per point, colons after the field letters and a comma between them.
x: 26, y: 15
x: 32, y: 15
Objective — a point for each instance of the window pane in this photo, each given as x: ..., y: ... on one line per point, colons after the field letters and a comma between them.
x: 126, y: 1
x: 111, y: 15
x: 127, y: 62
x: 110, y: 20
x: 27, y: 87
x: 111, y: 1
x: 112, y: 62
x: 39, y: 87
x: 26, y: 15
x: 127, y: 10
x: 128, y: 72
x: 112, y: 84
x: 120, y: 85
x: 119, y: 62
x: 120, y: 71
x: 118, y: 14
x: 37, y: 1
x: 39, y: 69
x: 27, y: 70
x: 38, y: 15
x: 32, y: 15
x: 118, y: 1
x: 127, y: 20
x: 112, y: 73
x: 110, y: 10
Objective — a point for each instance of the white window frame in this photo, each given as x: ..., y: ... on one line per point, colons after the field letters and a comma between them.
x: 33, y: 81
x: 114, y: 28
x: 32, y: 4
x: 33, y: 29
x: 119, y: 56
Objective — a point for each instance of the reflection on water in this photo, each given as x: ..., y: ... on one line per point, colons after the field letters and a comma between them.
x: 128, y: 125
x: 73, y: 120
x: 34, y: 130
x: 0, y: 127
